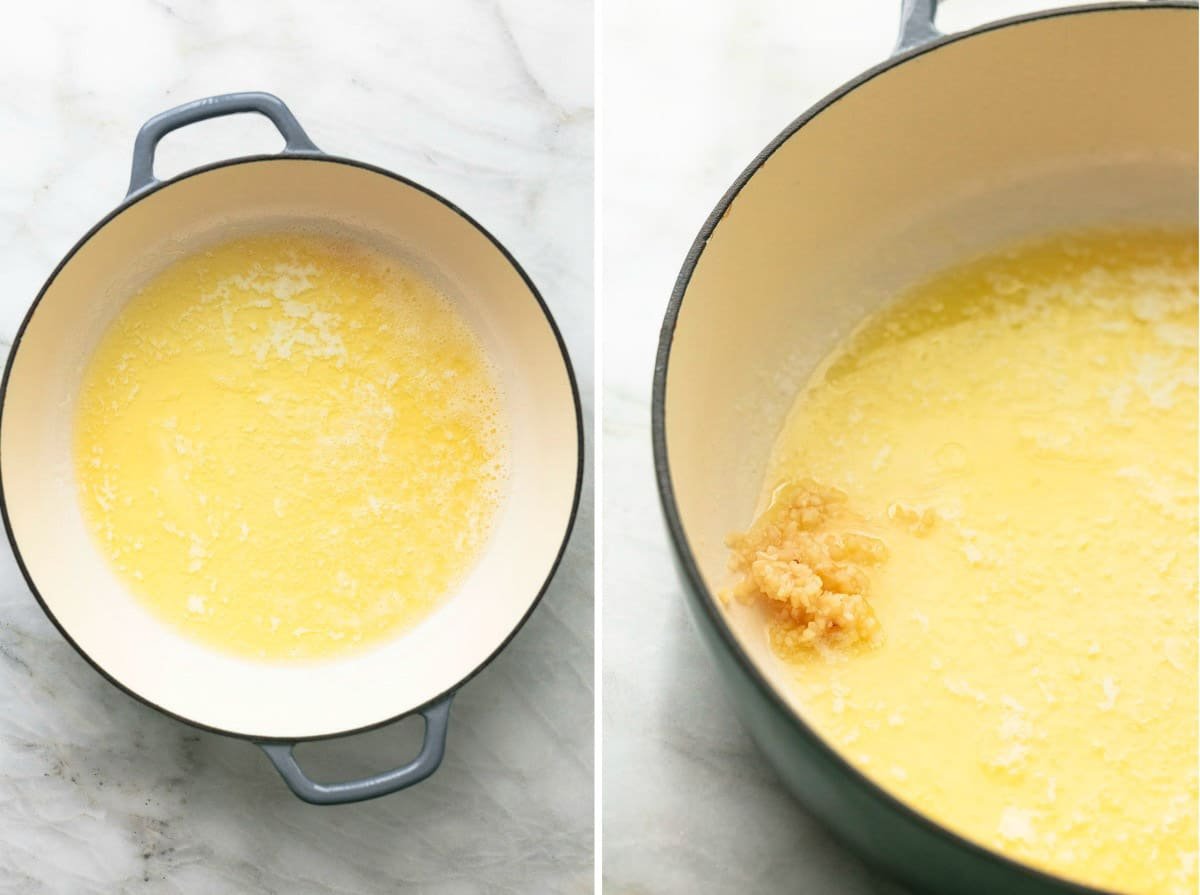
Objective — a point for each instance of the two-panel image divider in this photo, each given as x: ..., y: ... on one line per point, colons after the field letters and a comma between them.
x: 599, y: 446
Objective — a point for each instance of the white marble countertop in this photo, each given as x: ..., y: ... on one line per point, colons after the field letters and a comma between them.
x: 690, y: 94
x: 489, y: 103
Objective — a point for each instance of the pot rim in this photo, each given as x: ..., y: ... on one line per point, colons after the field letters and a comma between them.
x: 662, y: 470
x: 323, y: 158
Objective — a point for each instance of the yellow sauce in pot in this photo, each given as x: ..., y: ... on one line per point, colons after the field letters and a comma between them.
x: 290, y: 446
x: 979, y: 552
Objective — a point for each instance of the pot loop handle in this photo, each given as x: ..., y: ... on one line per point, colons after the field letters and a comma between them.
x: 916, y: 24
x: 272, y: 107
x: 437, y: 717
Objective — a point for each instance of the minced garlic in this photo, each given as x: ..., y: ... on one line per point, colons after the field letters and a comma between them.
x: 801, y: 562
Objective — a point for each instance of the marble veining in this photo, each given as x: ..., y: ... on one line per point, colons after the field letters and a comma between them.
x: 489, y: 103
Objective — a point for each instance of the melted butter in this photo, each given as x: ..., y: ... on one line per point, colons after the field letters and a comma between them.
x: 289, y: 446
x: 1021, y: 433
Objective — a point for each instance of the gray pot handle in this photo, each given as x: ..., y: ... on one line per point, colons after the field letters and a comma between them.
x: 916, y: 24
x: 437, y: 717
x: 160, y: 125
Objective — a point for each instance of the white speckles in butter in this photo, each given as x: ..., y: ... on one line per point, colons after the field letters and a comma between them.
x: 1017, y: 823
x: 1111, y: 692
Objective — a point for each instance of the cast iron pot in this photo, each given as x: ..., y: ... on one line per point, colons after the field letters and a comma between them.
x: 958, y: 143
x: 278, y: 705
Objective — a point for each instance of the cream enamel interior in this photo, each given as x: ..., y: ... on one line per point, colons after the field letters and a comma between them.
x: 189, y: 679
x: 1068, y: 121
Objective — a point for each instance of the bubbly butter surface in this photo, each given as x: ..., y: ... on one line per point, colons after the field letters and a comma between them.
x: 290, y: 446
x: 1021, y: 435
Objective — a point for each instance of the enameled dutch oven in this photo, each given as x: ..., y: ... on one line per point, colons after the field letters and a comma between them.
x: 277, y: 705
x: 958, y: 143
